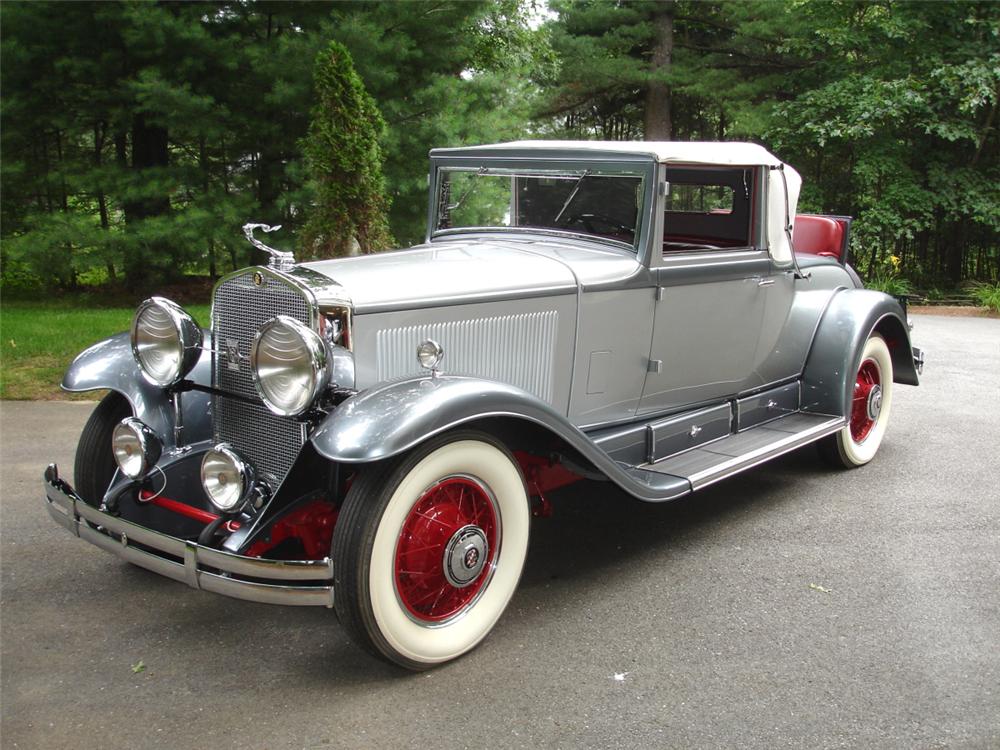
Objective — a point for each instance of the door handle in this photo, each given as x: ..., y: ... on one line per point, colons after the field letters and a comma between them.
x: 765, y: 282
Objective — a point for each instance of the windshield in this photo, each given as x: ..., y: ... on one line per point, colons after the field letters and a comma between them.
x: 583, y: 202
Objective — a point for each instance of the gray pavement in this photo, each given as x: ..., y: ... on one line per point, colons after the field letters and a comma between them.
x: 792, y: 606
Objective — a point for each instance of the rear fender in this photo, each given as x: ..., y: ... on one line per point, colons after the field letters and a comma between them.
x: 109, y: 365
x: 852, y: 316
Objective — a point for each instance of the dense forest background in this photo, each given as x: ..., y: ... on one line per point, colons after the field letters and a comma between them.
x: 138, y: 137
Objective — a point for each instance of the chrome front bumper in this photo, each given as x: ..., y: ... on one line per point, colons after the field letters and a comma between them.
x: 199, y: 567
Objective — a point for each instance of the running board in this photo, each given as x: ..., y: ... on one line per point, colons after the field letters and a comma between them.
x: 739, y: 451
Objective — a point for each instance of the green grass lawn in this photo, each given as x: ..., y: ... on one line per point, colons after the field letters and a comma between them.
x: 38, y: 340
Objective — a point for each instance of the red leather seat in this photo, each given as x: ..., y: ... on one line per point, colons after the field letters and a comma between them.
x: 818, y: 235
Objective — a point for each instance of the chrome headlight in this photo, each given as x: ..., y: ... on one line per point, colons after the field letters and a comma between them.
x: 166, y: 341
x: 226, y: 477
x: 289, y: 365
x: 136, y: 448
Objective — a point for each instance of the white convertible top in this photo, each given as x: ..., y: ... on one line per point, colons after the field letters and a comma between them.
x: 783, y: 183
x: 727, y: 153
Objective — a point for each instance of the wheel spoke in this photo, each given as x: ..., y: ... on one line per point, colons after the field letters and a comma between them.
x: 410, y: 551
x: 439, y: 519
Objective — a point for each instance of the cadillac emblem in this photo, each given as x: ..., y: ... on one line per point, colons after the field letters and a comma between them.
x: 233, y: 355
x: 258, y: 278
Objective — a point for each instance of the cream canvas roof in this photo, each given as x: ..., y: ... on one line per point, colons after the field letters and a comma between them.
x: 689, y: 152
x: 782, y: 191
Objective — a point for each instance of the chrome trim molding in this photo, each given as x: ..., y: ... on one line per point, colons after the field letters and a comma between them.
x: 722, y: 466
x: 199, y: 566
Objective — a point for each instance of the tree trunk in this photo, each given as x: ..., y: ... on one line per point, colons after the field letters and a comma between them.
x: 956, y: 254
x: 149, y: 150
x: 658, y: 125
x: 100, y: 130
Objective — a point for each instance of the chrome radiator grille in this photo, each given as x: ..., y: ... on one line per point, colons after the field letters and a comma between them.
x: 242, y: 304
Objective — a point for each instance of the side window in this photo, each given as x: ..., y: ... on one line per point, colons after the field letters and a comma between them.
x: 708, y: 209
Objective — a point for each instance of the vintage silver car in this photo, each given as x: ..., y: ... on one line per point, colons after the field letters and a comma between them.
x: 374, y: 433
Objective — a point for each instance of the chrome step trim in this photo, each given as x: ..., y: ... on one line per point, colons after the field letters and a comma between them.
x: 738, y: 452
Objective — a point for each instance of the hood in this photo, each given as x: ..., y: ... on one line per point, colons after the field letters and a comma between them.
x: 443, y: 273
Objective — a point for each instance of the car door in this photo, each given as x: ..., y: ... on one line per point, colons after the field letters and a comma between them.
x: 712, y: 284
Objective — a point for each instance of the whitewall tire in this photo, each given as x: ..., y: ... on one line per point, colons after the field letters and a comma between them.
x: 429, y: 548
x: 868, y: 412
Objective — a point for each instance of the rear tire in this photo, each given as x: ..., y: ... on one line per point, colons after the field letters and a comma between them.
x: 94, y: 466
x: 868, y: 413
x: 429, y: 548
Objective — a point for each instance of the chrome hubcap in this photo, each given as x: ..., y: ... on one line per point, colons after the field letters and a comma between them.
x: 874, y: 402
x: 465, y: 556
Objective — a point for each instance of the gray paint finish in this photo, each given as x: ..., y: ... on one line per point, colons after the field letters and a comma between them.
x: 768, y: 405
x: 386, y: 421
x: 615, y: 330
x: 706, y: 336
x: 451, y: 272
x: 851, y: 317
x: 792, y: 310
x: 678, y: 434
x: 109, y: 365
x: 485, y: 340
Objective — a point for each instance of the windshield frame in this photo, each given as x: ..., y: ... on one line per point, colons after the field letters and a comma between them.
x: 570, y: 168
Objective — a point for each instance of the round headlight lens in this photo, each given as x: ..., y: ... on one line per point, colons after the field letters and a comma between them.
x: 136, y: 448
x: 289, y: 363
x: 166, y: 341
x: 225, y: 477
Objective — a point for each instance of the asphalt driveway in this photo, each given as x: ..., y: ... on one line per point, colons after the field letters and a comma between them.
x: 792, y: 606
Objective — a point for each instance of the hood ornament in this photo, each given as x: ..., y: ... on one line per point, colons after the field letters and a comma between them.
x: 280, y: 260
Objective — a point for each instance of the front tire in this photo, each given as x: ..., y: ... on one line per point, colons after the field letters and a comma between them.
x: 429, y: 548
x: 94, y: 466
x: 868, y: 415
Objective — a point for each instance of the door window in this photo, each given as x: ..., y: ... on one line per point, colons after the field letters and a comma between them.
x: 708, y: 209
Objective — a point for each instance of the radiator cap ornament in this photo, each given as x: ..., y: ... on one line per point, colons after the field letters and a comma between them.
x: 280, y: 260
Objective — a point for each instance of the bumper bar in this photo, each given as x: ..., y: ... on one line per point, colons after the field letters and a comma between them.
x: 202, y: 568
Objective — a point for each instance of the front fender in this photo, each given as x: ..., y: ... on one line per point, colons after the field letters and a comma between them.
x: 109, y: 365
x: 387, y: 420
x: 390, y: 419
x: 835, y: 356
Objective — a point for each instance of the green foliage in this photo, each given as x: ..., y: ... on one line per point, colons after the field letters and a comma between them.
x: 344, y: 159
x: 885, y: 277
x: 988, y: 296
x: 889, y: 109
x: 137, y: 138
x: 38, y: 340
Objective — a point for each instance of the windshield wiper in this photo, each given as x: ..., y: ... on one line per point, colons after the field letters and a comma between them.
x: 468, y: 192
x: 572, y: 195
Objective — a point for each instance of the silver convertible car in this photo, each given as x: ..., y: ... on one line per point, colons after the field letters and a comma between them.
x: 374, y: 433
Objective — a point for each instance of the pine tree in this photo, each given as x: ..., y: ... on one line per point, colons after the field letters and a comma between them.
x: 345, y: 162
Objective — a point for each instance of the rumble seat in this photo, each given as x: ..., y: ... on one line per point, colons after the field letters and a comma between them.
x: 818, y: 235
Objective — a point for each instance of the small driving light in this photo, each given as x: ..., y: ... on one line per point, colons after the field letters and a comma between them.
x: 430, y: 354
x: 226, y: 477
x: 136, y: 448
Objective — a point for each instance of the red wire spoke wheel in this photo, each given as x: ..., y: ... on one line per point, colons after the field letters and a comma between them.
x: 447, y: 549
x: 867, y: 402
x: 429, y: 548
